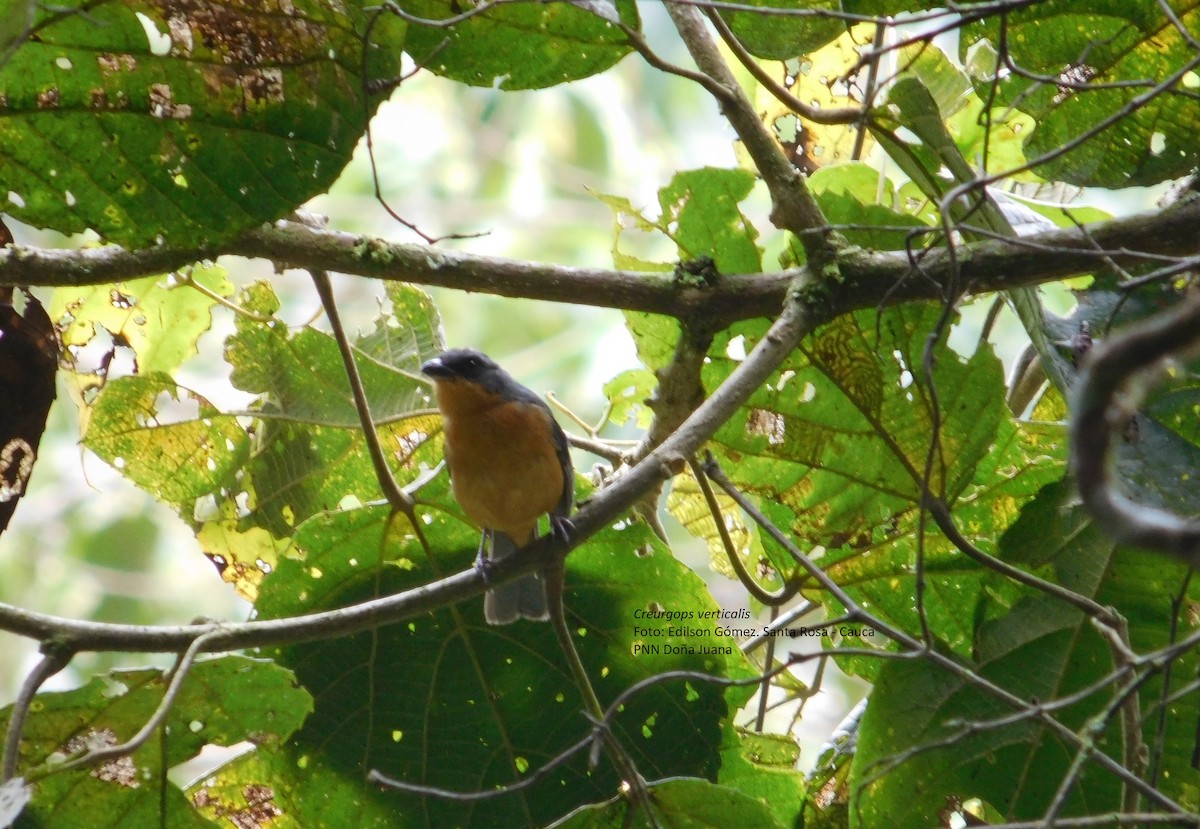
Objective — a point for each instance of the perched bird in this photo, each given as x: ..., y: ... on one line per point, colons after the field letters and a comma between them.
x: 509, y: 465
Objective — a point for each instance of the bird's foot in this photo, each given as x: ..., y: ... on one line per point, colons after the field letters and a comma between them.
x: 484, y: 566
x: 561, y: 528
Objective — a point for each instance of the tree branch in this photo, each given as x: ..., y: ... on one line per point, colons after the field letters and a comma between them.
x: 793, y: 205
x: 869, y: 278
x: 1108, y: 370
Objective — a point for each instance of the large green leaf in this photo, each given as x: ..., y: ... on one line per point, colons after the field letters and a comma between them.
x: 447, y: 700
x: 185, y: 123
x: 766, y: 31
x: 912, y: 759
x: 520, y: 45
x: 842, y: 433
x: 1083, y: 66
x: 223, y: 702
x: 835, y: 444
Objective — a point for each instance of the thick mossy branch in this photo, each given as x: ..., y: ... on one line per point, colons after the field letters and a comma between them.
x: 869, y: 279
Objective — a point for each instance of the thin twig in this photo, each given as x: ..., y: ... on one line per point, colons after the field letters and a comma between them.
x: 760, y: 719
x: 378, y: 778
x: 818, y: 115
x: 399, y: 500
x: 791, y: 584
x: 97, y: 756
x: 54, y: 659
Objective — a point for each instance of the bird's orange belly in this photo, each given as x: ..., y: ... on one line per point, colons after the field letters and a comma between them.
x: 503, y: 469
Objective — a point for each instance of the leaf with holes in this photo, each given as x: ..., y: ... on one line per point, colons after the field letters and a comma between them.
x: 400, y: 699
x: 245, y: 483
x: 222, y: 702
x: 169, y: 441
x: 184, y: 121
x: 838, y: 442
x: 815, y: 79
x: 160, y: 318
x: 1087, y: 80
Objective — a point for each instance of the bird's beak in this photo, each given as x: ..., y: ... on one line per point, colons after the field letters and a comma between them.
x: 436, y: 368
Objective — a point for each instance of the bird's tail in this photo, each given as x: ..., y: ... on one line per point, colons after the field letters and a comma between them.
x: 524, y: 598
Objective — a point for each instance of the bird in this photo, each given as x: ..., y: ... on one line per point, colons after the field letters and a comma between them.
x: 509, y: 464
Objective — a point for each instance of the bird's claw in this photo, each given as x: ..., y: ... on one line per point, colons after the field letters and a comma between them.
x: 561, y: 528
x: 484, y: 566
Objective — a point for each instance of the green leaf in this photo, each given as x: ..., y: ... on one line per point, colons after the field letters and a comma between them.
x: 834, y: 445
x: 763, y: 766
x: 169, y: 441
x: 1024, y: 764
x: 312, y: 456
x: 883, y: 7
x: 518, y: 46
x: 160, y: 318
x: 689, y: 507
x: 909, y: 764
x: 222, y: 702
x: 1158, y: 448
x: 627, y: 394
x: 1104, y: 56
x: 300, y: 374
x: 232, y: 476
x: 681, y: 804
x: 847, y: 196
x: 16, y: 18
x: 779, y: 36
x: 841, y: 433
x: 912, y: 106
x: 282, y: 791
x: 401, y: 698
x: 152, y: 122
x: 699, y: 213
x: 655, y: 337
